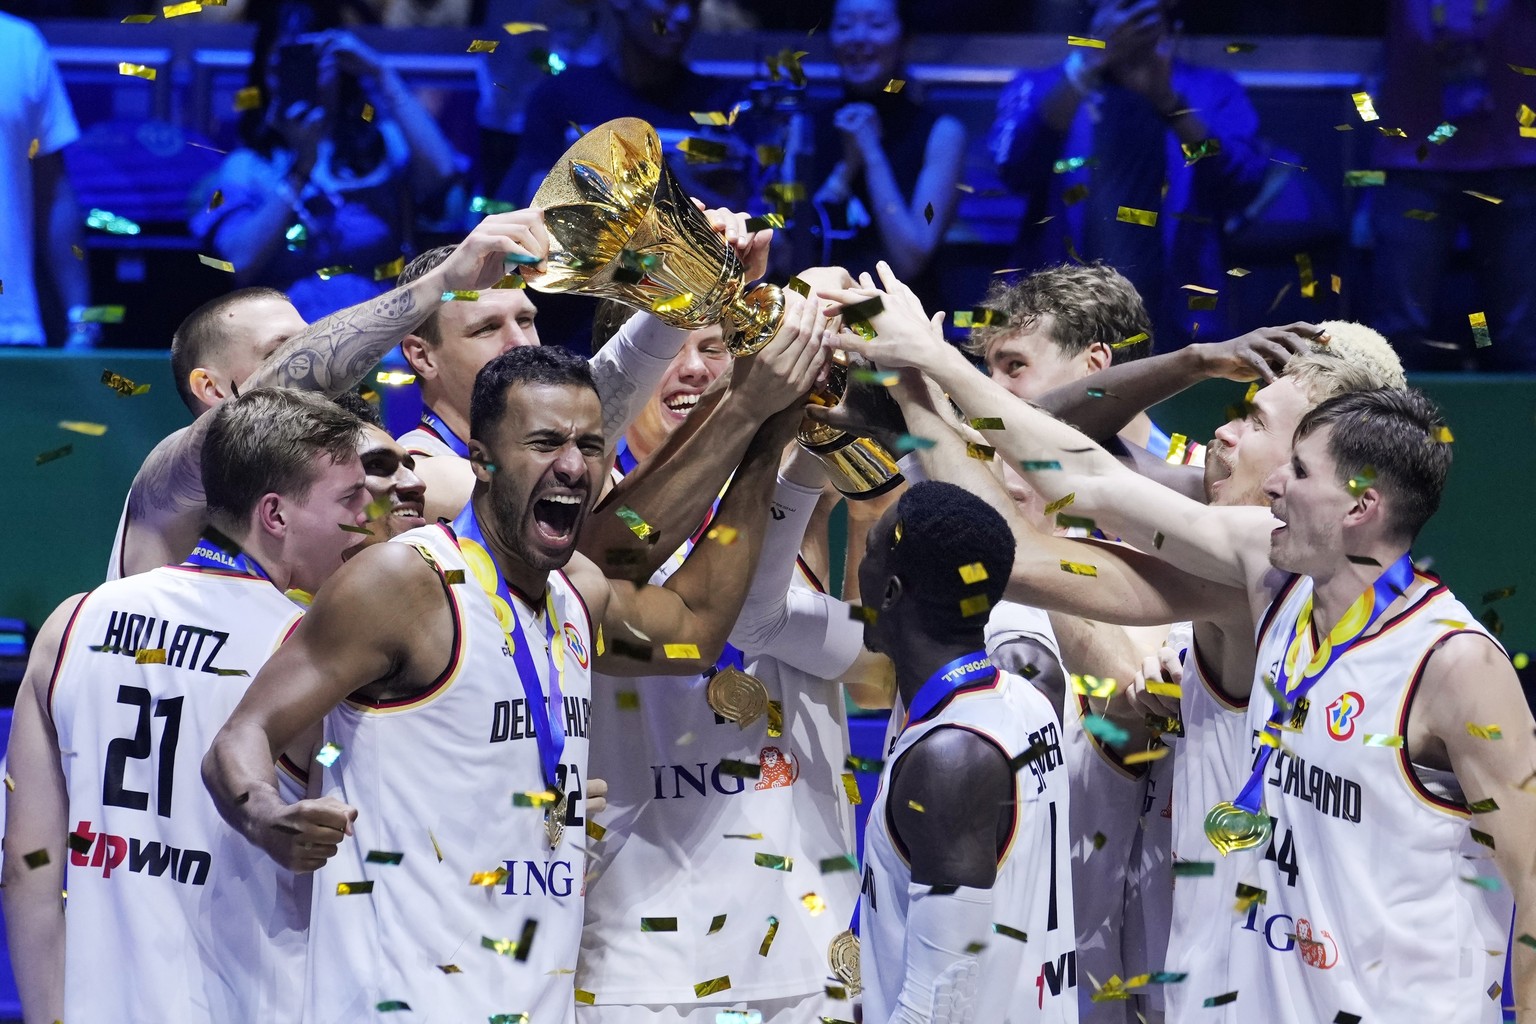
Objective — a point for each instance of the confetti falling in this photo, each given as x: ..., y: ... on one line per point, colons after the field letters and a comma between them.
x: 136, y: 71
x: 973, y: 573
x: 1088, y: 41
x: 1060, y: 503
x: 489, y: 878
x: 483, y: 46
x: 1362, y: 179
x: 216, y: 264
x: 1485, y: 197
x: 851, y: 789
x: 658, y: 924
x: 517, y: 28
x: 773, y: 930
x: 741, y: 769
x: 1361, y: 481
x: 713, y: 985
x: 389, y: 1004
x: 1009, y: 931
x: 1372, y: 739
x: 394, y: 378
x: 595, y: 831
x: 842, y: 862
x: 637, y: 525
x: 501, y: 947
x: 980, y: 452
x: 36, y: 859
x: 894, y: 85
x: 767, y: 222
x: 1484, y: 732
x: 1143, y: 756
x: 689, y: 651
x: 1105, y: 731
x: 773, y: 861
x: 716, y: 923
x: 83, y: 427
x: 1479, y: 324
x: 975, y: 605
x: 463, y: 295
x: 384, y: 857
x: 1131, y: 215
x: 1364, y: 107
x: 353, y: 888
x: 1079, y: 568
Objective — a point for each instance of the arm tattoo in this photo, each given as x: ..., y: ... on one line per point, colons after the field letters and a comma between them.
x: 170, y: 482
x: 333, y: 354
x: 616, y: 390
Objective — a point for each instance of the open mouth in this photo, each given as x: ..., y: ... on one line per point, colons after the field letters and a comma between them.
x: 680, y: 403
x: 555, y: 517
x: 407, y: 515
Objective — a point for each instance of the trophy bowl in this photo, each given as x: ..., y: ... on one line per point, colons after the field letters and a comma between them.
x: 621, y: 228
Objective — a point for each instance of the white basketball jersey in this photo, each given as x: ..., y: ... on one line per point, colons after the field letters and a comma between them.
x: 464, y: 911
x: 1208, y: 768
x: 172, y: 915
x: 700, y: 856
x: 422, y: 441
x: 115, y: 562
x: 1368, y: 908
x: 1033, y: 978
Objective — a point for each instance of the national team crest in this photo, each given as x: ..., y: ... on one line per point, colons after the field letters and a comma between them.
x: 573, y: 643
x: 1342, y: 714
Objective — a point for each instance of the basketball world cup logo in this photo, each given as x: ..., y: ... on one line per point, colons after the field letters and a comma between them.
x: 1342, y: 714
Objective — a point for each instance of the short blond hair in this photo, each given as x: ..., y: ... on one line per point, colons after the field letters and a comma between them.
x: 1323, y: 374
x: 1367, y: 348
x: 1089, y: 303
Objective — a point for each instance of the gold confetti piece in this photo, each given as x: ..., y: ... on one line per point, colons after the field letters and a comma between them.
x: 150, y: 656
x: 975, y: 605
x: 836, y: 992
x: 1484, y: 732
x: 770, y: 156
x: 1095, y: 44
x: 1195, y: 152
x: 595, y: 832
x: 1372, y: 739
x: 1241, y: 47
x: 461, y: 296
x: 716, y: 923
x: 775, y: 718
x: 36, y: 859
x: 851, y: 789
x: 54, y: 454
x: 740, y: 769
x: 1482, y: 837
x: 981, y: 452
x: 773, y: 861
x: 773, y: 930
x: 136, y: 71
x: 384, y: 857
x: 713, y: 985
x: 326, y: 273
x: 356, y: 529
x: 489, y: 878
x: 1396, y: 133
x: 723, y: 534
x: 1162, y: 689
x: 394, y: 378
x: 1060, y: 503
x: 894, y: 85
x: 32, y: 151
x: 584, y: 997
x: 1479, y: 324
x: 709, y: 117
x: 1364, y: 106
x: 919, y: 808
x: 177, y: 10
x: 368, y: 112
x: 658, y: 924
x: 681, y: 650
x: 517, y: 28
x: 533, y: 798
x: 1093, y: 686
x: 1131, y: 215
x: 628, y: 700
x: 1142, y: 756
x: 145, y: 19
x: 501, y: 947
x: 102, y: 314
x: 767, y: 222
x: 482, y: 46
x: 1528, y: 133
x: 353, y: 888
x: 1191, y: 288
x: 785, y: 192
x: 215, y: 263
x: 1485, y: 197
x: 1248, y: 895
x: 973, y: 573
x: 1361, y: 481
x: 702, y: 151
x: 1079, y: 568
x: 389, y: 271
x: 388, y: 1004
x: 676, y: 304
x: 10, y: 784
x: 82, y: 427
x: 1360, y: 179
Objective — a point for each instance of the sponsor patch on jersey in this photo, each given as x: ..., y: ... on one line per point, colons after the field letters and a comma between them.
x: 574, y: 644
x: 780, y: 768
x: 1342, y: 714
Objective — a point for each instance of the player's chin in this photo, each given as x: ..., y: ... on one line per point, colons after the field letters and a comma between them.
x: 552, y: 534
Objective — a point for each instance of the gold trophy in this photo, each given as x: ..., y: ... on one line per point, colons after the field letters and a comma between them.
x: 620, y: 228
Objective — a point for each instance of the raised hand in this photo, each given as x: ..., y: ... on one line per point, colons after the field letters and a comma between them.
x: 751, y: 247
x: 781, y: 373
x: 904, y: 335
x: 480, y: 260
x: 1259, y: 354
x: 1161, y: 667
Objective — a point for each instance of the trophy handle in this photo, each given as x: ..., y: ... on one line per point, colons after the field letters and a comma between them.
x: 754, y: 318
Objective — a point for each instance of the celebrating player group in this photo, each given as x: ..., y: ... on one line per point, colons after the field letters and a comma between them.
x: 538, y: 713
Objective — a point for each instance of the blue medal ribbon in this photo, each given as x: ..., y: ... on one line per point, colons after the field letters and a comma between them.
x: 546, y: 713
x: 210, y: 554
x: 1388, y: 586
x: 433, y: 424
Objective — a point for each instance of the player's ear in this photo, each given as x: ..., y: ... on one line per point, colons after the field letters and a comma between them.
x: 270, y: 515
x: 1367, y: 508
x: 891, y: 594
x: 1097, y: 356
x: 204, y: 387
x: 480, y: 462
x: 420, y: 356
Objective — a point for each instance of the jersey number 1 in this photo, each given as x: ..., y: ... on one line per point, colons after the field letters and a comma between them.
x: 137, y: 747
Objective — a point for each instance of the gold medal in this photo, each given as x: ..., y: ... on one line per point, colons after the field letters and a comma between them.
x: 1229, y: 828
x: 843, y: 958
x: 554, y: 821
x: 737, y: 697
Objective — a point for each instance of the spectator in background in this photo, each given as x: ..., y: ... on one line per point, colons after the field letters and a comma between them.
x: 42, y: 221
x: 1450, y: 64
x: 339, y: 158
x: 1110, y: 128
x: 644, y: 76
x: 885, y: 165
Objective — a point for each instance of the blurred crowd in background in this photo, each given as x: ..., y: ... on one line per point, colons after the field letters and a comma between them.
x: 1241, y: 164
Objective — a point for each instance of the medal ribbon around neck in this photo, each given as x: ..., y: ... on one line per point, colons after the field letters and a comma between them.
x: 548, y: 722
x: 434, y: 423
x: 1242, y: 824
x: 215, y: 551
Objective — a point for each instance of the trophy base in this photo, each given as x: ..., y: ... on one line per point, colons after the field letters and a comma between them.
x: 754, y: 318
x: 858, y: 467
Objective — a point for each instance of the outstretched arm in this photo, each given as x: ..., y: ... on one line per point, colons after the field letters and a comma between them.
x: 674, y: 489
x: 36, y: 824
x: 1103, y: 403
x: 356, y: 633
x: 1468, y: 682
x: 688, y: 620
x: 1225, y: 545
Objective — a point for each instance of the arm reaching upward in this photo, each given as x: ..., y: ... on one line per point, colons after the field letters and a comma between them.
x: 1225, y: 545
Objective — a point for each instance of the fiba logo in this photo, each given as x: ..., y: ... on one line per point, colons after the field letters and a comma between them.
x: 574, y: 644
x: 1342, y: 714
